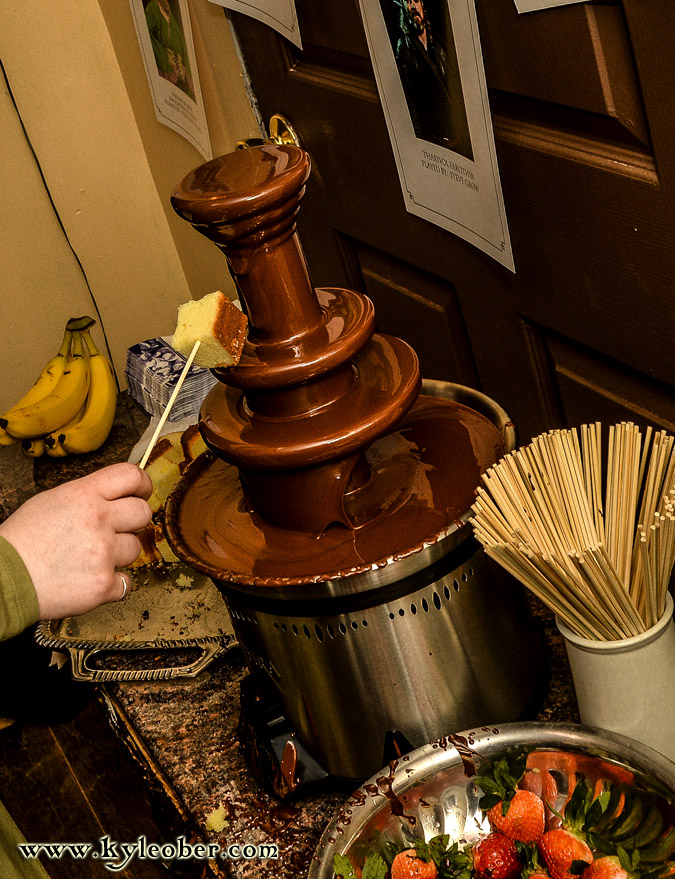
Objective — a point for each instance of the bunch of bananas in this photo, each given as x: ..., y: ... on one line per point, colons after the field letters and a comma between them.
x: 71, y: 407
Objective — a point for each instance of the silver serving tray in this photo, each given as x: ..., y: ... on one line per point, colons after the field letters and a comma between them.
x: 168, y: 607
x: 430, y: 791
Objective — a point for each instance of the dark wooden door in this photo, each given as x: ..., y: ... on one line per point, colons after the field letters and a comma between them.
x: 583, y: 101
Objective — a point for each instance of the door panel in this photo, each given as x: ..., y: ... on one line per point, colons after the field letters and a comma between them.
x: 332, y: 27
x: 437, y: 331
x: 579, y: 57
x: 582, y: 103
x: 595, y: 387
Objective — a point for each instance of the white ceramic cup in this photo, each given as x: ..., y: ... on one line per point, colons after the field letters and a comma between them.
x: 628, y: 686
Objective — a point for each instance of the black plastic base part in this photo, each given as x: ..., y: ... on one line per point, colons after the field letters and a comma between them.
x: 278, y: 760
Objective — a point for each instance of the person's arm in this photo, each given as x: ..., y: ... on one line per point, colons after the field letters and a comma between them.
x: 72, y: 538
x: 18, y: 601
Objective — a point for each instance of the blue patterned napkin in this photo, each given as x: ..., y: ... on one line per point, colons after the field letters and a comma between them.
x: 152, y: 370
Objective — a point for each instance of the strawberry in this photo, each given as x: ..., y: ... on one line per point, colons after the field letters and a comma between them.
x: 543, y: 784
x: 565, y: 850
x: 518, y: 813
x: 409, y: 865
x: 608, y: 867
x: 565, y: 854
x: 495, y: 857
x: 522, y: 819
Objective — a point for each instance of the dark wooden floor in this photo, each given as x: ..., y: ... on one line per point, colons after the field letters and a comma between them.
x: 64, y: 774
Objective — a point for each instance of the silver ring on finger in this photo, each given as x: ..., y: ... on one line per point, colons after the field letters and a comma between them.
x: 125, y: 585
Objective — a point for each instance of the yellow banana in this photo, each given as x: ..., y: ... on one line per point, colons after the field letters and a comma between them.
x: 34, y: 448
x: 59, y: 406
x: 56, y: 450
x: 6, y: 439
x: 92, y: 430
x: 53, y: 447
x: 46, y: 381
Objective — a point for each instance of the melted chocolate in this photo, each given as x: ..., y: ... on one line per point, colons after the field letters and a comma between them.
x: 424, y: 476
x: 466, y: 753
x: 325, y: 462
x: 385, y: 786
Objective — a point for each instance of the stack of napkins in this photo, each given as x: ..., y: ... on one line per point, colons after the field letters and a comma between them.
x: 152, y: 371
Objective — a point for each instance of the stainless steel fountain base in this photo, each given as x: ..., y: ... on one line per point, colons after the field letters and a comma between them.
x: 447, y: 648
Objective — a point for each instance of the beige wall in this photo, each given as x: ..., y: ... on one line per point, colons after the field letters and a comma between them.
x: 41, y: 283
x: 90, y: 227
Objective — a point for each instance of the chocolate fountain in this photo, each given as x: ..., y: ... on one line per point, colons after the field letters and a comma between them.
x: 331, y: 508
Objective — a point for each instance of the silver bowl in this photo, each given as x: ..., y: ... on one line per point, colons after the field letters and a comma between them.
x: 430, y: 791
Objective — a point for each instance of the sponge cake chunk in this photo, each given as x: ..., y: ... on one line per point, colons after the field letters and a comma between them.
x: 218, y: 324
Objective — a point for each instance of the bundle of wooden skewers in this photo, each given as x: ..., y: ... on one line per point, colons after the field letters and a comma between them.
x: 597, y: 550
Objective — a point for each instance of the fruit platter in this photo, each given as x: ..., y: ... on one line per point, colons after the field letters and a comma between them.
x: 530, y: 800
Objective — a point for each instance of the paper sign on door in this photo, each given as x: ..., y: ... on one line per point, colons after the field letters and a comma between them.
x: 165, y: 37
x: 533, y: 5
x: 429, y: 69
x: 278, y: 14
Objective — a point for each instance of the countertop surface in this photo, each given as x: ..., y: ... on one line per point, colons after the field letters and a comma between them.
x: 190, y: 730
x: 185, y: 731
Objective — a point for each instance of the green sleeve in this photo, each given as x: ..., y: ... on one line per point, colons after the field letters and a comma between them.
x: 18, y: 600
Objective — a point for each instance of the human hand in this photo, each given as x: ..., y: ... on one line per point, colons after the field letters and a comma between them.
x: 72, y: 537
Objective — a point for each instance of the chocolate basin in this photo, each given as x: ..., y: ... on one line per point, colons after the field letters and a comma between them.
x: 410, y: 648
x: 431, y: 790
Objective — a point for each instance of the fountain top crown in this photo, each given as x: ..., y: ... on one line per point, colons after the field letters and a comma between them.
x: 245, y: 192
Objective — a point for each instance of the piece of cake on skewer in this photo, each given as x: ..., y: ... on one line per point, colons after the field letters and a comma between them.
x: 215, y: 322
x: 210, y: 332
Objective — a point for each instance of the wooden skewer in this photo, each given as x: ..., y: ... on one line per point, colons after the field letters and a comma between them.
x: 631, y: 611
x: 604, y: 568
x: 169, y: 405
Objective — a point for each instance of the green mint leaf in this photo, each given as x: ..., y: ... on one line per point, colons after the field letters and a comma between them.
x: 438, y: 848
x: 593, y: 815
x: 342, y: 867
x: 374, y: 867
x: 422, y: 850
x: 577, y: 806
x: 489, y: 785
x: 503, y: 775
x: 604, y: 799
x: 389, y: 850
x: 624, y: 859
x: 488, y: 801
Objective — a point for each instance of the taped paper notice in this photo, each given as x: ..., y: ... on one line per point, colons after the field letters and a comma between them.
x: 165, y: 37
x: 278, y: 14
x: 533, y: 5
x: 429, y: 70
